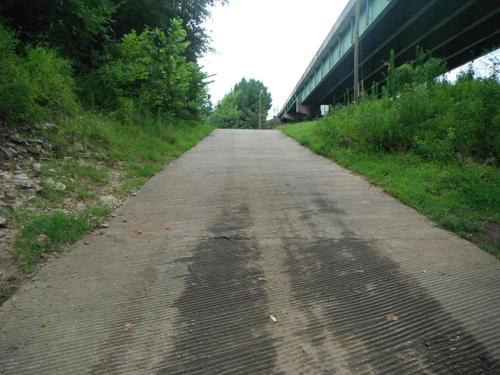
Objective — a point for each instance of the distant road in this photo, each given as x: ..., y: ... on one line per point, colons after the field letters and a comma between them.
x: 251, y: 255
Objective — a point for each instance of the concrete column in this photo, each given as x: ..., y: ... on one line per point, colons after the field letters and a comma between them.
x: 291, y: 116
x: 309, y: 109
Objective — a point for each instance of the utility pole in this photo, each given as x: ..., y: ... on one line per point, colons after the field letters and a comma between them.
x: 356, y: 51
x: 260, y: 109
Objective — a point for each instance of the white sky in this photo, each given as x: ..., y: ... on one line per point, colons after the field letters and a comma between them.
x: 272, y: 41
x: 269, y: 40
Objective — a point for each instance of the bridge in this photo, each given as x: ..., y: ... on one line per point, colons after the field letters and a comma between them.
x: 456, y: 30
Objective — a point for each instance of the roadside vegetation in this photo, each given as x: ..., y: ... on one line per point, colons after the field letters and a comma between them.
x: 242, y: 106
x: 96, y: 176
x: 433, y: 144
x: 95, y: 98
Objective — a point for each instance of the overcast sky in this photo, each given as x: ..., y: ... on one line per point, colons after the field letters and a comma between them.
x: 269, y: 40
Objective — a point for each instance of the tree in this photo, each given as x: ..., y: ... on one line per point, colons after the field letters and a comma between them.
x: 240, y: 107
x: 77, y: 28
x: 139, y: 14
x: 226, y: 114
x: 83, y: 30
x: 151, y: 72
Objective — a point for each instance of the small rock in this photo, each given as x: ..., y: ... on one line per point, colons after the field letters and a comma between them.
x: 104, y: 225
x: 27, y: 193
x: 47, y: 126
x: 392, y: 317
x: 133, y: 194
x: 86, y: 243
x: 50, y: 182
x: 5, y: 175
x: 125, y: 220
x: 78, y: 147
x: 37, y: 168
x: 3, y: 222
x: 34, y: 150
x: 43, y: 193
x: 42, y: 238
x: 38, y: 141
x: 81, y: 207
x: 23, y: 181
x: 5, y: 154
x: 17, y: 139
x: 129, y: 327
x: 108, y: 200
x: 59, y: 186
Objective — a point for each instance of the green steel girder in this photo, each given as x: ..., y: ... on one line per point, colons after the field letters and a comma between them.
x: 456, y: 30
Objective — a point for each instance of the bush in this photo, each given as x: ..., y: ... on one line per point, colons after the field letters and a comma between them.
x: 35, y: 83
x: 148, y: 73
x: 435, y: 120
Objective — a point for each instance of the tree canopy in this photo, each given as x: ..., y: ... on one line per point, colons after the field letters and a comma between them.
x: 83, y: 29
x: 240, y: 107
x: 117, y: 55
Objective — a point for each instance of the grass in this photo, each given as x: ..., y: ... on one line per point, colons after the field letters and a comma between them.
x: 85, y: 151
x: 459, y: 195
x: 45, y: 233
x: 149, y: 146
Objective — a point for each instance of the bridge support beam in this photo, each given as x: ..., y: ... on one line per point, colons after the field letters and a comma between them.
x: 312, y: 110
x: 292, y: 116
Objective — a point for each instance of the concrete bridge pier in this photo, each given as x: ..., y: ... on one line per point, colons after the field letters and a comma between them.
x: 310, y: 110
x: 292, y: 116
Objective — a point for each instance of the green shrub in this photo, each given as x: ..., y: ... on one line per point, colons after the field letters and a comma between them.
x: 148, y: 72
x: 437, y: 121
x: 35, y: 83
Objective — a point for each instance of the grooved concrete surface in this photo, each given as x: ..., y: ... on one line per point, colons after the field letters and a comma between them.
x: 246, y: 225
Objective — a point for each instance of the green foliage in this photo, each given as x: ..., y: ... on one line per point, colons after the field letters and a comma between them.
x: 423, y: 70
x: 240, y: 107
x: 143, y: 150
x: 149, y: 73
x: 150, y: 146
x: 83, y: 29
x: 141, y: 14
x: 227, y: 114
x: 58, y: 227
x: 35, y: 83
x: 78, y: 28
x: 150, y: 70
x: 438, y: 121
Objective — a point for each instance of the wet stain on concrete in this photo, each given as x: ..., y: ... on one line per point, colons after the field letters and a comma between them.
x: 357, y: 288
x: 223, y: 309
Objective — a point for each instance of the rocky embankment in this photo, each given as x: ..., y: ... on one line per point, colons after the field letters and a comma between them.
x: 28, y: 183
